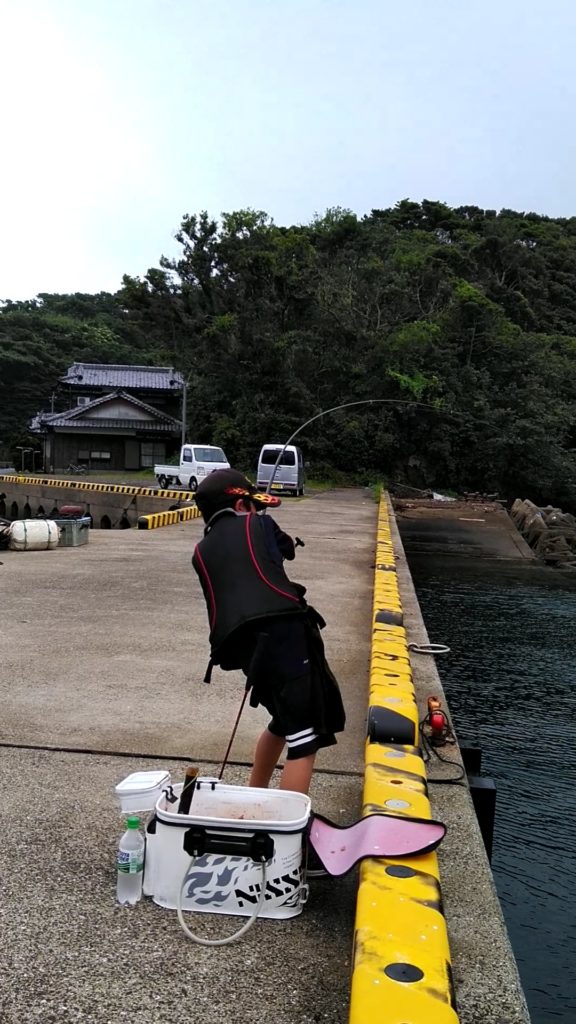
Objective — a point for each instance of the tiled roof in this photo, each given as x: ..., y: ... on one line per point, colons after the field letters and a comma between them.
x: 157, y: 378
x: 76, y: 418
x: 114, y: 424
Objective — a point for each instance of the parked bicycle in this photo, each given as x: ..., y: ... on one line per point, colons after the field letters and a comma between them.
x: 73, y: 468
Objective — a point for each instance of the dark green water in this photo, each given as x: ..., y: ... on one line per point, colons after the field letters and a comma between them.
x: 511, y: 683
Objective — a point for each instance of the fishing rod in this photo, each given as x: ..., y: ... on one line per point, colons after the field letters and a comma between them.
x: 336, y: 408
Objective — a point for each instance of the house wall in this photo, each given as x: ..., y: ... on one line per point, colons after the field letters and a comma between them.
x: 125, y: 452
x: 67, y: 448
x: 118, y: 410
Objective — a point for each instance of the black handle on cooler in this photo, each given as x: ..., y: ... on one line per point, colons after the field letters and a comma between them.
x: 256, y: 845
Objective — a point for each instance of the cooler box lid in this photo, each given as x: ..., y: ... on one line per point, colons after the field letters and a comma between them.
x: 142, y: 782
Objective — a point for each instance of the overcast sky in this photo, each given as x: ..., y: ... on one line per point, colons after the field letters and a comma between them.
x: 119, y: 116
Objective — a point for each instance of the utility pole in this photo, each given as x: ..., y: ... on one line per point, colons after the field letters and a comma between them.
x: 184, y: 389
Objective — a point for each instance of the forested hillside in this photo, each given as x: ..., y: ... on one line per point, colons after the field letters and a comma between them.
x: 467, y: 312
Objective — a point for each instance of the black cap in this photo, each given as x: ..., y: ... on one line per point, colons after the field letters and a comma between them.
x: 223, y: 487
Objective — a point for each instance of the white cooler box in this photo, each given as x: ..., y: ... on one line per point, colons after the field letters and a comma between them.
x: 222, y: 819
x: 141, y: 791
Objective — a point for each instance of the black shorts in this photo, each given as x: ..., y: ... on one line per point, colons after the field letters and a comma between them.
x: 290, y: 680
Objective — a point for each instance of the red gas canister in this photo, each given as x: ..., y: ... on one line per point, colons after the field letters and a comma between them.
x: 437, y: 722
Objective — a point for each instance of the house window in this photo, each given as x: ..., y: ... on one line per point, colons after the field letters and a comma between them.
x: 100, y: 456
x: 151, y: 452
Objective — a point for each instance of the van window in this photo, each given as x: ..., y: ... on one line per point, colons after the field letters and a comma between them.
x: 269, y: 456
x: 209, y: 455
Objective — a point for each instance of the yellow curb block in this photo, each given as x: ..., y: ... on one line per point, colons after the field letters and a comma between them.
x: 401, y: 965
x: 178, y: 515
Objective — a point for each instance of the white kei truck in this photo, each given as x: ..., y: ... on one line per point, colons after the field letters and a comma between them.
x: 196, y: 462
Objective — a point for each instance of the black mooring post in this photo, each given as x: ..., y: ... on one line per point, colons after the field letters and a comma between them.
x: 483, y: 792
x: 472, y: 759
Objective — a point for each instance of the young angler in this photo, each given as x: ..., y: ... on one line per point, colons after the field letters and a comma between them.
x: 261, y: 623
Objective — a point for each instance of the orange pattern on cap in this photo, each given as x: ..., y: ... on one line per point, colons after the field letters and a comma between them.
x: 256, y: 496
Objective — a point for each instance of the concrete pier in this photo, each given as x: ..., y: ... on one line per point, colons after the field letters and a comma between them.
x: 480, y: 529
x: 102, y: 653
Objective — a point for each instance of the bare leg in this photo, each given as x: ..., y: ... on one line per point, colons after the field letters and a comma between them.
x: 268, y: 750
x: 297, y: 774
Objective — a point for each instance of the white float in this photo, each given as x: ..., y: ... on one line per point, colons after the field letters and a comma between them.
x: 33, y: 535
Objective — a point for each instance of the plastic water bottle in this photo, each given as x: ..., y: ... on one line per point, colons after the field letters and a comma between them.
x: 130, y: 863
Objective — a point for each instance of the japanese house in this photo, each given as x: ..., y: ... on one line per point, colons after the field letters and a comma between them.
x: 112, y: 417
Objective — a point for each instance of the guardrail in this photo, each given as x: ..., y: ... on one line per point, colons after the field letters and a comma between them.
x: 86, y: 485
x: 401, y: 967
x: 178, y: 515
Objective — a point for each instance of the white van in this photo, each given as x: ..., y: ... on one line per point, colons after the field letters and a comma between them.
x: 289, y: 476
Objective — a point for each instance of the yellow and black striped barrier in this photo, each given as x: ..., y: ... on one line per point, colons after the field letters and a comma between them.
x: 177, y: 515
x: 401, y: 968
x: 86, y: 485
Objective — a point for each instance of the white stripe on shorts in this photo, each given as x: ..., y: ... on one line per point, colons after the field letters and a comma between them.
x: 308, y: 737
x: 298, y: 735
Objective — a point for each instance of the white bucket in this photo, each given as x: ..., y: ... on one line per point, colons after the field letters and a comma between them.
x: 33, y: 535
x: 222, y: 883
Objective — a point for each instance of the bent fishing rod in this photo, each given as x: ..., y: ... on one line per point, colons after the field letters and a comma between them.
x: 336, y: 408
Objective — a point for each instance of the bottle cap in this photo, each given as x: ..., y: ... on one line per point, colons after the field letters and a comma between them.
x: 133, y: 822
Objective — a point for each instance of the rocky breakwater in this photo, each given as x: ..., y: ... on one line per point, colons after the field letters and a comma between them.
x: 550, y: 532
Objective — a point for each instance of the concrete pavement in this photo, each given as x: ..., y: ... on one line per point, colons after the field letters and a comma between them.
x: 104, y: 648
x: 72, y: 956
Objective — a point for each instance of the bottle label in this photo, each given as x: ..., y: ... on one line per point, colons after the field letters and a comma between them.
x: 130, y: 862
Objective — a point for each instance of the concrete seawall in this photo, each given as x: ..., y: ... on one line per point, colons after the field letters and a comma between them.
x: 109, y: 505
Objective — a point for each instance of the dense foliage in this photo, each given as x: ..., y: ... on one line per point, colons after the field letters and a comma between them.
x: 467, y: 316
